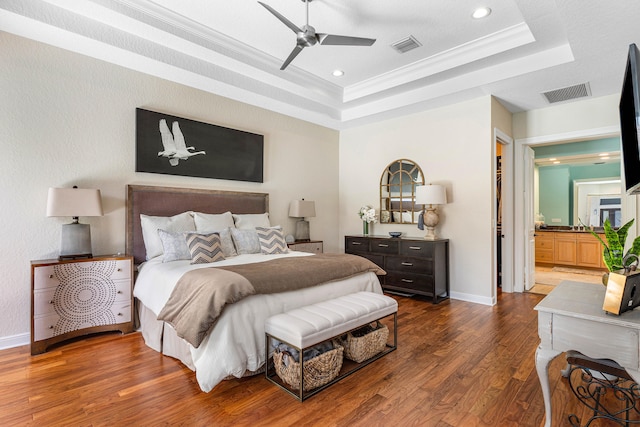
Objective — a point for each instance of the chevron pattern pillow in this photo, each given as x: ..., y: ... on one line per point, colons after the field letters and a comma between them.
x: 204, y: 248
x: 272, y: 240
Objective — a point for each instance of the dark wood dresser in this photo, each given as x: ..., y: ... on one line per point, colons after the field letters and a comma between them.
x: 413, y: 265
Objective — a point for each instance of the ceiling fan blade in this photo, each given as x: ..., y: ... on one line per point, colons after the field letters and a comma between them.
x: 333, y: 40
x: 284, y: 20
x: 296, y: 50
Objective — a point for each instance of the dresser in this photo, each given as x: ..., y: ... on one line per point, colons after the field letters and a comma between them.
x: 73, y: 298
x: 413, y: 265
x: 312, y: 246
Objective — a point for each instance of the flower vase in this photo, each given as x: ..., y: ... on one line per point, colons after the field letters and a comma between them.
x: 365, y: 228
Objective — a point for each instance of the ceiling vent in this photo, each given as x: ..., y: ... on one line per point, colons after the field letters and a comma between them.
x: 406, y: 44
x: 567, y: 93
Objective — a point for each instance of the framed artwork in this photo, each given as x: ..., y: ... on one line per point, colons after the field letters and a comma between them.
x: 177, y: 146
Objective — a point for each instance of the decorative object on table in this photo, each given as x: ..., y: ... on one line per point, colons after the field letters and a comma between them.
x: 613, y: 253
x: 623, y: 288
x: 395, y: 233
x: 289, y: 238
x: 431, y: 195
x: 75, y: 241
x: 177, y: 146
x: 367, y: 215
x: 301, y: 209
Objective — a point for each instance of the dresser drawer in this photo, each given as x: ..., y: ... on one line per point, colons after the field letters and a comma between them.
x: 122, y: 271
x: 417, y: 249
x: 384, y: 246
x: 544, y: 255
x: 376, y: 259
x: 43, y: 302
x: 45, y: 277
x: 408, y: 265
x: 356, y: 244
x: 45, y: 327
x: 123, y: 290
x: 417, y: 282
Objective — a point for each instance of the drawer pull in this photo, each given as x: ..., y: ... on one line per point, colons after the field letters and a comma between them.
x: 415, y: 248
x: 51, y: 276
x: 119, y: 269
x: 50, y: 326
x: 383, y: 245
x: 119, y: 292
x: 119, y: 314
x: 407, y: 280
x: 50, y: 301
x: 408, y: 264
x: 356, y: 243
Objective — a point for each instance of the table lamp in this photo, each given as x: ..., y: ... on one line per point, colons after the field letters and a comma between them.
x: 430, y: 195
x: 75, y: 239
x: 301, y: 209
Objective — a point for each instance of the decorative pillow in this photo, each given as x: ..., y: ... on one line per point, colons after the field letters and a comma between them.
x: 204, y: 248
x: 251, y: 221
x: 207, y: 223
x: 174, y: 245
x: 151, y: 225
x: 272, y: 240
x: 246, y: 241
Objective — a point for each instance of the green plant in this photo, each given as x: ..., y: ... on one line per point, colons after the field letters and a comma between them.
x: 613, y: 254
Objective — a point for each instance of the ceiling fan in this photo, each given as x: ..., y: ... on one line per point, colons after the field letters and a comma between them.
x: 307, y: 36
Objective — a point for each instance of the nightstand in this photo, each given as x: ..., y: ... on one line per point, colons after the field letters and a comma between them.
x: 313, y: 246
x: 72, y: 298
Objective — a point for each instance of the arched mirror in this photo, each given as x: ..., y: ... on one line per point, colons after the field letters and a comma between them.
x: 398, y: 192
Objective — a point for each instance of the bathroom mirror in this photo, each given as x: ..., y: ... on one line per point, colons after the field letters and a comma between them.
x: 398, y: 190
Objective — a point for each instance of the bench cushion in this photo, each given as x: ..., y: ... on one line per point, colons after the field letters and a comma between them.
x: 312, y: 324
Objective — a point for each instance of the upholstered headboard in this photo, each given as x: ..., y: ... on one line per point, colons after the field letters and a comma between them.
x: 169, y: 201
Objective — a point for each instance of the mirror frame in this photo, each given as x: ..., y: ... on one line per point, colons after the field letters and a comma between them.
x: 403, y: 204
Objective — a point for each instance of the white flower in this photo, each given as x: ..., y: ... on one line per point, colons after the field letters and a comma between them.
x: 368, y: 214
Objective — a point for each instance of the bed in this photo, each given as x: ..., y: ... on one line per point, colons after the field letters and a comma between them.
x: 234, y: 345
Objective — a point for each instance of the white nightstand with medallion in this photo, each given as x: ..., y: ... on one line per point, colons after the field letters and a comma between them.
x: 313, y: 246
x: 72, y: 298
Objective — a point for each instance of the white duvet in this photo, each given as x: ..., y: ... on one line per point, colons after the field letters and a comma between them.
x: 237, y: 343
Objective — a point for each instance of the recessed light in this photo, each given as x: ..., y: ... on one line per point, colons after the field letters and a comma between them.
x: 603, y: 154
x: 557, y: 162
x: 481, y: 12
x: 552, y: 159
x: 338, y: 73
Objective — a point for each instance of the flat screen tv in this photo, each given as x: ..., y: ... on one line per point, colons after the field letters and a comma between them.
x: 630, y: 121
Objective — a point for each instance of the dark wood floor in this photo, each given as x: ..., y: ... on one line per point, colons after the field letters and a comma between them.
x: 458, y: 364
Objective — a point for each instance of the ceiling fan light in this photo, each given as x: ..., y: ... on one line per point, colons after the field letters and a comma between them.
x: 481, y: 12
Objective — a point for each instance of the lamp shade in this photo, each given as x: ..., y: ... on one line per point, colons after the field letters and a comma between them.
x: 302, y: 208
x: 74, y: 202
x: 431, y: 195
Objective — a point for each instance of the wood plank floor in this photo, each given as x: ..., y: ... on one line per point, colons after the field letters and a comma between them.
x: 458, y: 364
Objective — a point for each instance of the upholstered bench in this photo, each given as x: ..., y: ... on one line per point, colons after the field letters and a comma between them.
x: 305, y: 327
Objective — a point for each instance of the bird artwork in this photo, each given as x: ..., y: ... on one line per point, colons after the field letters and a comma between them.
x: 175, y: 147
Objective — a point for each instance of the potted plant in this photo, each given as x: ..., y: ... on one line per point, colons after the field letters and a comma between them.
x: 613, y: 254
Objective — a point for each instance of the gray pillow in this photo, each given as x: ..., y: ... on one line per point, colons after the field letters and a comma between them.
x: 246, y: 241
x: 174, y: 245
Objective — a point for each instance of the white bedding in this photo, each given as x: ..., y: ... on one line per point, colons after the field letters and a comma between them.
x: 236, y: 343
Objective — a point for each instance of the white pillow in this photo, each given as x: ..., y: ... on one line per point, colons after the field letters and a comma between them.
x: 207, y: 223
x: 151, y: 225
x: 251, y: 221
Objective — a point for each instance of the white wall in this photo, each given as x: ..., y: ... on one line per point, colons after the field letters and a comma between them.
x: 70, y: 120
x: 453, y: 146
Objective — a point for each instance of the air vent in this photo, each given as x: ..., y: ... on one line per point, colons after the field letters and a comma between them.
x: 406, y: 44
x: 567, y: 93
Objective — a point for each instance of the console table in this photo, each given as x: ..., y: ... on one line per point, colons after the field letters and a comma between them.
x: 571, y: 318
x: 414, y: 265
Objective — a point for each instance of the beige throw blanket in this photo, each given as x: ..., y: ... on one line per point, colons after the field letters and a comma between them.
x: 200, y: 295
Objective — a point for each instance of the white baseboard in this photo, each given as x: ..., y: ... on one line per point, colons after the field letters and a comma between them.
x: 15, y: 341
x: 473, y: 298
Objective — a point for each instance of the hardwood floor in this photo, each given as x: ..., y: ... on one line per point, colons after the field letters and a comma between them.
x: 457, y: 364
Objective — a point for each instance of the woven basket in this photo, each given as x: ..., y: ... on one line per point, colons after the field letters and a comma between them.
x: 317, y: 371
x: 362, y: 348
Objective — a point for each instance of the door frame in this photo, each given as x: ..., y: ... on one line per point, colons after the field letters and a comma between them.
x: 521, y: 229
x: 507, y: 252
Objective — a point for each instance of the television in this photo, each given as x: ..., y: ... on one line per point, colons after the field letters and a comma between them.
x: 630, y: 121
